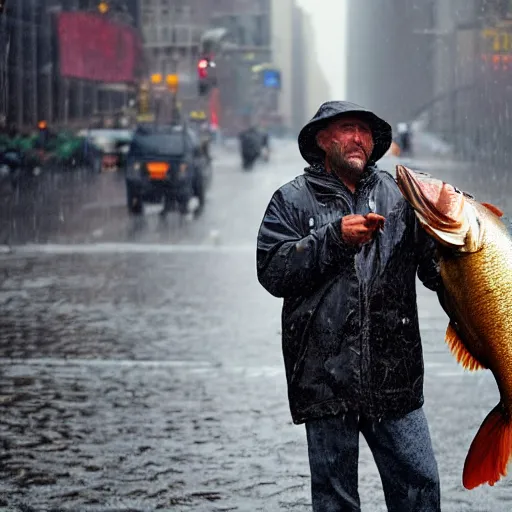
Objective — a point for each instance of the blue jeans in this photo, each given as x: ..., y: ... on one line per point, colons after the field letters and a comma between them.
x: 402, y: 450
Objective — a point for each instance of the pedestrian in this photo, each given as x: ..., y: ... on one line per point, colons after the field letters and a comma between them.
x: 342, y: 247
x: 404, y: 138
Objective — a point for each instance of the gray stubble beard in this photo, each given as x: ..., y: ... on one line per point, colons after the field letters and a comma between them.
x: 341, y: 166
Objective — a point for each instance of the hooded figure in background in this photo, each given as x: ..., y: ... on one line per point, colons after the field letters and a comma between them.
x: 250, y: 141
x: 343, y: 248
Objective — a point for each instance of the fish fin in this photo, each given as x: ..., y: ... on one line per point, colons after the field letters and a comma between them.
x: 489, y: 453
x: 459, y: 350
x: 493, y: 209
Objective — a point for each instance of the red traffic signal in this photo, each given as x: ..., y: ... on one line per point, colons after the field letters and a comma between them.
x: 202, y: 68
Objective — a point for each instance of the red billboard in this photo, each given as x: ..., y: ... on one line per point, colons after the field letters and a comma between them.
x: 94, y: 48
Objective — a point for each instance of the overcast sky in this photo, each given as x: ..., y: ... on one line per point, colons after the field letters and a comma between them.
x: 328, y: 18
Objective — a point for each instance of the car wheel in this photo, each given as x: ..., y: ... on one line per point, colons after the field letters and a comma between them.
x: 96, y: 164
x: 208, y: 176
x: 134, y: 202
x: 199, y: 192
x: 182, y: 207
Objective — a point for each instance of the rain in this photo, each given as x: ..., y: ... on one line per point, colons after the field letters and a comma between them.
x: 141, y: 365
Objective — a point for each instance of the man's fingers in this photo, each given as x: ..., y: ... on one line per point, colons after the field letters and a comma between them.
x: 374, y: 226
x: 375, y: 217
x: 374, y: 221
x: 351, y: 220
x: 360, y: 229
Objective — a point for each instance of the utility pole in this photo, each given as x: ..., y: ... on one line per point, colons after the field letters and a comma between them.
x: 18, y: 29
x: 4, y: 58
x: 35, y: 62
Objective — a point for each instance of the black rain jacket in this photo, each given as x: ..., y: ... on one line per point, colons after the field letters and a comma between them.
x: 350, y: 332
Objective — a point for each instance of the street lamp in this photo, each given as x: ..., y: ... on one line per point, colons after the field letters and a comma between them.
x: 172, y: 82
x: 103, y: 7
x: 156, y: 78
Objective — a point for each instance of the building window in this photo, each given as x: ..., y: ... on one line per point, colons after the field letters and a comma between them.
x: 507, y: 9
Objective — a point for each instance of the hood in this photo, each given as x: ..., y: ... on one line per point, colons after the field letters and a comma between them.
x: 382, y: 133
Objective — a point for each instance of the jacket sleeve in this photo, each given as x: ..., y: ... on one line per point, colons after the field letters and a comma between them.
x: 291, y: 262
x: 428, y: 261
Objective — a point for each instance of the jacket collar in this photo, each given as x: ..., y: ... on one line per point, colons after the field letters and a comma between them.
x: 326, y: 184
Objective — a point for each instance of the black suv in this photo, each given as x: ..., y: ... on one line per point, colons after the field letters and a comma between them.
x: 166, y: 162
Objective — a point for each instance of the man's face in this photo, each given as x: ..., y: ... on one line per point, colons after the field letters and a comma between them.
x: 348, y: 144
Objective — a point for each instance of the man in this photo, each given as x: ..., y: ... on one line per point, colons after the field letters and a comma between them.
x: 404, y: 138
x: 250, y: 146
x: 342, y: 247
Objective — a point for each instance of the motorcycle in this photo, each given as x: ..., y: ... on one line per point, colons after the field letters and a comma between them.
x: 250, y: 148
x: 11, y: 166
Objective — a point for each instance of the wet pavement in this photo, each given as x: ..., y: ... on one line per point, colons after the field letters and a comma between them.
x: 140, y: 360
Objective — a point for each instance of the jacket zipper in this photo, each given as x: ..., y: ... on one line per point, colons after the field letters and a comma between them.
x: 364, y: 342
x: 352, y: 201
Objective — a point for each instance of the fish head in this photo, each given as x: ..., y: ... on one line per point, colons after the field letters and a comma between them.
x: 442, y: 210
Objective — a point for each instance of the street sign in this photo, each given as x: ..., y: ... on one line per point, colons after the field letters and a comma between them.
x: 272, y: 79
x: 198, y: 115
x: 146, y: 118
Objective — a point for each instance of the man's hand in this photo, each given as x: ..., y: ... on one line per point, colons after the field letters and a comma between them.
x: 360, y: 229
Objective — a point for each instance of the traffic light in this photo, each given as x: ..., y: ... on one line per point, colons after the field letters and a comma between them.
x: 204, y: 88
x: 2, y: 6
x: 202, y: 68
x: 207, y: 76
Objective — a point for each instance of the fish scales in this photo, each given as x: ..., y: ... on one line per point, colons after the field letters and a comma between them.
x: 475, y: 251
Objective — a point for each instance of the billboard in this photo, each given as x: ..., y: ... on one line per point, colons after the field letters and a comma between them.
x: 93, y: 48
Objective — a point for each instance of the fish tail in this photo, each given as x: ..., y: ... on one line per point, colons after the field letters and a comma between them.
x: 490, y: 451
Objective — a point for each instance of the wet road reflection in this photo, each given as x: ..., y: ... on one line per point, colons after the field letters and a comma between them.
x: 140, y: 361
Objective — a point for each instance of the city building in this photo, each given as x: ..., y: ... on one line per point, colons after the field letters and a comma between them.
x: 235, y: 33
x: 444, y: 63
x: 317, y: 87
x: 391, y: 54
x: 242, y: 60
x: 304, y: 85
x: 53, y: 70
x: 286, y: 55
x: 172, y: 31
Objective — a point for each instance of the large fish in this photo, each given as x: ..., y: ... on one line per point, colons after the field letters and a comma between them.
x: 475, y: 252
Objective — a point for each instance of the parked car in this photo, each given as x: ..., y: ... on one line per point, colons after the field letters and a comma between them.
x: 106, y: 148
x: 166, y: 162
